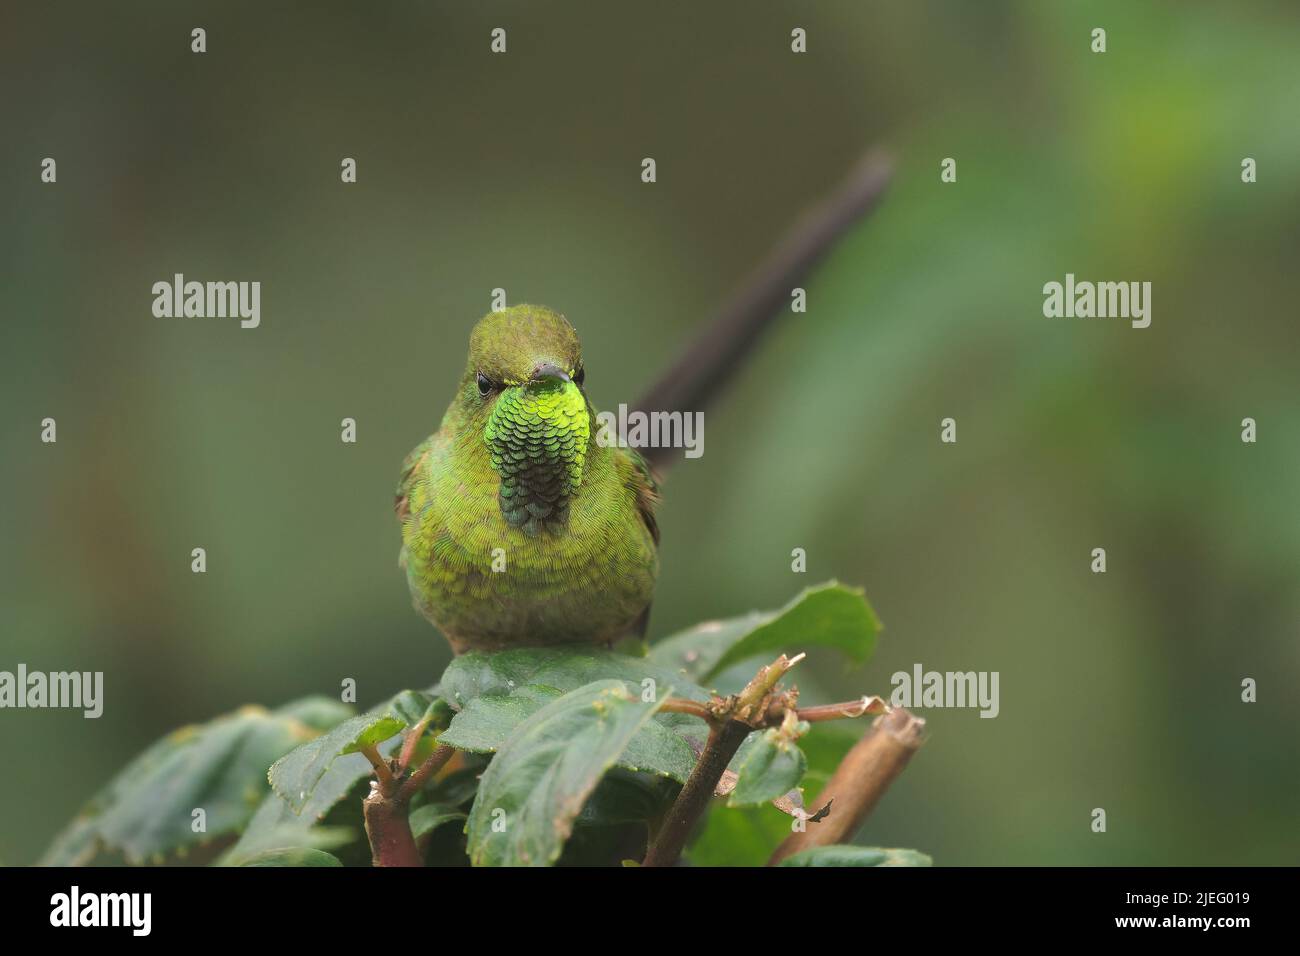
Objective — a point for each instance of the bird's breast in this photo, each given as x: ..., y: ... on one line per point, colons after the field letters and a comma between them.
x: 537, y: 442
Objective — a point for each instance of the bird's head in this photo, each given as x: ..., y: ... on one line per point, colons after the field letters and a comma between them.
x: 522, y: 346
x: 523, y: 384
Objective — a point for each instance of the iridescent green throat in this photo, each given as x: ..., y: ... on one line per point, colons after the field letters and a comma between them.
x: 537, y: 438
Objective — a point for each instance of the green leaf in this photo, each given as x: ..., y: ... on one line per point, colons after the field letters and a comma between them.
x: 146, y: 814
x: 828, y: 615
x: 373, y: 732
x: 296, y: 775
x: 276, y: 824
x: 538, y: 782
x: 488, y: 721
x: 292, y: 856
x: 625, y: 796
x: 318, y: 713
x: 424, y: 820
x: 295, y: 818
x: 413, y: 706
x: 768, y: 765
x: 658, y: 751
x: 692, y: 729
x: 458, y: 787
x: 845, y: 855
x: 564, y: 668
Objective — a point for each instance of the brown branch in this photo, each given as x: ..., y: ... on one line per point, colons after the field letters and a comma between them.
x: 680, y: 705
x: 730, y: 721
x: 846, y: 710
x: 410, y: 742
x: 382, y: 770
x: 387, y: 809
x: 779, y: 707
x: 858, y: 783
x: 435, y: 762
x: 388, y: 827
x: 759, y: 699
x: 706, y: 364
x: 691, y: 803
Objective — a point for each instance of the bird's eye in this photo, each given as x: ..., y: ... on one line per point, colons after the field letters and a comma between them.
x: 580, y: 375
x: 484, y: 384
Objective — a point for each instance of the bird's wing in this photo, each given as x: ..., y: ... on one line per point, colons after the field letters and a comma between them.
x: 410, y: 469
x: 642, y: 481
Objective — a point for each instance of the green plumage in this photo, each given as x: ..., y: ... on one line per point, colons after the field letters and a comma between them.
x: 537, y: 439
x: 517, y: 526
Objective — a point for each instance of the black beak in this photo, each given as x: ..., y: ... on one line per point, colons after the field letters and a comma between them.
x: 554, y: 372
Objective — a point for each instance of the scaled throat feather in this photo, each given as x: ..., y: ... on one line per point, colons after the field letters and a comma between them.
x: 537, y: 437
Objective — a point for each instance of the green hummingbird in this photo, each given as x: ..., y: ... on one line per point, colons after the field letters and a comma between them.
x: 518, y: 526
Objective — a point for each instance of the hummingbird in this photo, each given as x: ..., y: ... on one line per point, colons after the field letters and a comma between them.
x: 518, y: 526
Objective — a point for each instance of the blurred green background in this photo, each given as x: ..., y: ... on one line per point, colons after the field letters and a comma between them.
x: 521, y: 171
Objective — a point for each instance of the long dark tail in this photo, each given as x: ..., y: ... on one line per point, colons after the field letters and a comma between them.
x: 707, y: 364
